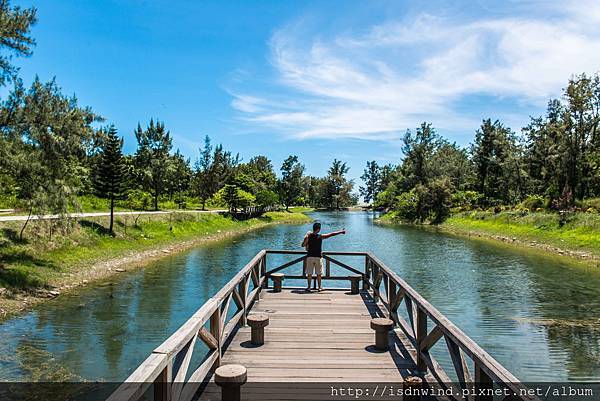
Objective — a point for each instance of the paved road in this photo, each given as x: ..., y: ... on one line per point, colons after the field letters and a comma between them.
x: 100, y: 214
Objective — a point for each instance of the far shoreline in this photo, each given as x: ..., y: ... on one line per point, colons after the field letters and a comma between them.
x: 586, y: 258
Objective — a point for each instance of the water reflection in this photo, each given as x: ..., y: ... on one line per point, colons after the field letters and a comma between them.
x: 537, y: 315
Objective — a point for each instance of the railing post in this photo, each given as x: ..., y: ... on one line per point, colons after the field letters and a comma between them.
x: 421, y: 325
x: 392, y: 290
x: 162, y: 385
x: 367, y: 276
x: 327, y: 268
x: 242, y: 291
x: 215, y: 330
x: 263, y: 271
x: 484, y: 382
x: 375, y: 270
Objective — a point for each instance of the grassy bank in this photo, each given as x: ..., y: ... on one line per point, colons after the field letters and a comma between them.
x: 578, y: 236
x: 46, y: 263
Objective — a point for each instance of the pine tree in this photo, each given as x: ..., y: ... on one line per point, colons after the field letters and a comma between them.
x: 290, y: 186
x: 152, y: 156
x: 338, y: 188
x: 372, y: 179
x: 111, y: 175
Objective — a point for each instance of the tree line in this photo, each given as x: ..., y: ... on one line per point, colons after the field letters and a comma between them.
x: 53, y: 151
x: 553, y: 164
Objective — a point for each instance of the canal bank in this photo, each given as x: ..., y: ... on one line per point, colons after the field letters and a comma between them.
x: 578, y: 239
x: 37, y: 270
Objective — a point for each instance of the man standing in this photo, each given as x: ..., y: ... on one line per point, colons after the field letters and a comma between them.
x: 313, y: 242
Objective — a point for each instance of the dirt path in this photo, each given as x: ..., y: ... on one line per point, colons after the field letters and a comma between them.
x: 102, y: 214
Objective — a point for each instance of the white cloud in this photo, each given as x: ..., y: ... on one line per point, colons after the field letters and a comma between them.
x: 399, y: 74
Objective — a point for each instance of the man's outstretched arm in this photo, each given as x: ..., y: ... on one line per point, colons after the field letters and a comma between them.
x: 333, y: 234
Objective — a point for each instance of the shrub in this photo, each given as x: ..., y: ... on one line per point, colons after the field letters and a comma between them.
x: 233, y: 197
x: 386, y: 198
x: 532, y: 202
x: 436, y: 200
x: 466, y: 200
x: 591, y: 205
x: 406, y: 205
x: 138, y: 200
x: 245, y: 198
x: 266, y: 198
x: 425, y: 202
x: 89, y: 203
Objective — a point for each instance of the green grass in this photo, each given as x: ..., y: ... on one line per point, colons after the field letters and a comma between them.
x: 580, y: 232
x: 43, y: 260
x: 301, y: 209
x: 390, y: 217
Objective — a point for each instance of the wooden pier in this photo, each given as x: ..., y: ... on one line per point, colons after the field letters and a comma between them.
x: 324, y: 338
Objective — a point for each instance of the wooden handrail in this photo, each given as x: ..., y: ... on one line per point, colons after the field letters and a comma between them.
x: 167, y: 366
x: 487, y: 369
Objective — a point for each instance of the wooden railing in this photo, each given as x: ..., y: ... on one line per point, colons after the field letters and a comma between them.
x: 487, y: 371
x: 249, y: 212
x: 167, y: 366
x: 329, y: 260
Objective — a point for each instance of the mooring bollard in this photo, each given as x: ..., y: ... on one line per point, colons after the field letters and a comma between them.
x: 354, y: 283
x: 257, y: 323
x: 230, y: 378
x: 382, y: 327
x: 412, y: 387
x: 277, y: 281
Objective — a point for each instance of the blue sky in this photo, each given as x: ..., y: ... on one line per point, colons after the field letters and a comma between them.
x: 320, y: 79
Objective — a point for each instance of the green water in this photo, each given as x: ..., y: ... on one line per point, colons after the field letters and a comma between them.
x: 536, y: 314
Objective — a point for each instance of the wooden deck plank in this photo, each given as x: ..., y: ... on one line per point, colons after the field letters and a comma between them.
x: 316, y: 337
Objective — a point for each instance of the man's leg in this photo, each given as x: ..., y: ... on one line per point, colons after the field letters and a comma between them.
x: 319, y: 271
x: 309, y: 279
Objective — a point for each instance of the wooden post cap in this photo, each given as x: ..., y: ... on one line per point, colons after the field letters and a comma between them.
x: 277, y: 276
x: 412, y: 388
x: 230, y: 375
x: 258, y: 320
x: 413, y: 381
x: 382, y: 324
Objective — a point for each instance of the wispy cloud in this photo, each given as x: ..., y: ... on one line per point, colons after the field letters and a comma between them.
x: 400, y: 73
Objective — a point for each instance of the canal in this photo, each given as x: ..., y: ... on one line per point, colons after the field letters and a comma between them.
x: 537, y: 315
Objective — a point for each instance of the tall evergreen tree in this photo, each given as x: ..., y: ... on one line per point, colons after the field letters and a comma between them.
x: 338, y: 188
x: 204, y: 183
x: 214, y: 168
x: 291, y: 183
x: 418, y: 150
x: 152, y: 155
x: 372, y: 178
x: 111, y: 174
x: 496, y: 156
x: 179, y: 177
